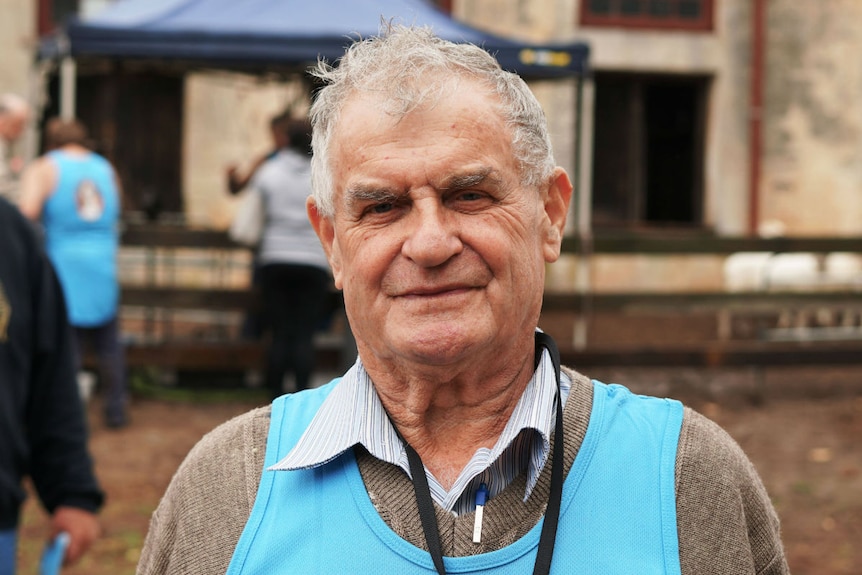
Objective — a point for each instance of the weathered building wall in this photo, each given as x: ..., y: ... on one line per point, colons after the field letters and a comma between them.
x: 17, y: 41
x: 812, y: 153
x: 226, y: 122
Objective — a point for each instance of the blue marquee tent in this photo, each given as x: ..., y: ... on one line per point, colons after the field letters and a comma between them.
x: 282, y: 33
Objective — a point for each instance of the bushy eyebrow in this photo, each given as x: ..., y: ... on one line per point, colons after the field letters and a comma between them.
x: 363, y: 194
x: 469, y: 180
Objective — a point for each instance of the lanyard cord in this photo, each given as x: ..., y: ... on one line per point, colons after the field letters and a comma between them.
x: 552, y: 511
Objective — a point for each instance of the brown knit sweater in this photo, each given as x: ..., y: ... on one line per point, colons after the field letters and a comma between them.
x: 726, y: 523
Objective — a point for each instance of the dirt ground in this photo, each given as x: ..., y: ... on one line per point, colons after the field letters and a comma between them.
x: 803, y: 439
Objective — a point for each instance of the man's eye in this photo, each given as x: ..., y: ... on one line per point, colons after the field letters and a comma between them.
x: 471, y: 199
x: 382, y: 208
x: 470, y: 196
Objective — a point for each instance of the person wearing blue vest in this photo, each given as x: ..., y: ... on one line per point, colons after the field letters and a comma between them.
x: 456, y: 443
x: 74, y: 193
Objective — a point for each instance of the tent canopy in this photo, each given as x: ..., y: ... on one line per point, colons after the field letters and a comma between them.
x: 282, y: 33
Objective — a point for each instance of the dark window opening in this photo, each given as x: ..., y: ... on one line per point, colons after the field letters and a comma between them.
x: 672, y: 14
x: 648, y: 150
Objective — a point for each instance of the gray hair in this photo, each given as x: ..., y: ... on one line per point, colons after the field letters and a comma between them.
x: 13, y: 104
x: 398, y: 65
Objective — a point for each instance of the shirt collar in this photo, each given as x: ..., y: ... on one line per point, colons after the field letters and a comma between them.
x: 353, y: 415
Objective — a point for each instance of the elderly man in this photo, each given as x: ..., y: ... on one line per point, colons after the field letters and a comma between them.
x: 14, y: 115
x: 456, y: 443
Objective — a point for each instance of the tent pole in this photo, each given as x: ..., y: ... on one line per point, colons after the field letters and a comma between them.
x: 68, y: 69
x: 37, y: 81
x: 583, y: 205
x: 584, y: 173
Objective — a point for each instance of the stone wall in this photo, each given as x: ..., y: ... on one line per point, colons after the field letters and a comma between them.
x: 227, y: 122
x: 17, y: 39
x: 812, y: 154
x: 18, y: 36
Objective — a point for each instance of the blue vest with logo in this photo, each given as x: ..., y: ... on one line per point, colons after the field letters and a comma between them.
x: 81, y: 237
x: 618, y: 512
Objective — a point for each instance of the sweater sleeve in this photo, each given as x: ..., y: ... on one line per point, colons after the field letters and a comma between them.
x: 726, y: 522
x: 60, y: 464
x: 202, y: 514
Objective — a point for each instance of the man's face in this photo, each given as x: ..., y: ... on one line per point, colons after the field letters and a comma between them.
x: 12, y: 125
x: 439, y: 249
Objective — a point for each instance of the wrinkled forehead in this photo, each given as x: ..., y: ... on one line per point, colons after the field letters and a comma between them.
x: 403, y: 95
x: 459, y: 134
x: 462, y: 107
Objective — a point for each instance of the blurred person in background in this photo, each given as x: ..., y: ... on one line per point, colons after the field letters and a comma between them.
x: 253, y: 323
x: 293, y: 271
x: 236, y: 181
x: 43, y: 432
x: 75, y: 194
x: 14, y: 114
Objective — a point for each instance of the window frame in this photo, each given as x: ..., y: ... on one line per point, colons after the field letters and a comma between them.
x: 629, y: 208
x: 704, y: 24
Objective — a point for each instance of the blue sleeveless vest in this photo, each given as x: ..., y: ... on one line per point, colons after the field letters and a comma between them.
x: 81, y: 236
x: 618, y: 513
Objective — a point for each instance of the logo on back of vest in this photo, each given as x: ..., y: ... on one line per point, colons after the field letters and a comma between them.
x: 89, y: 201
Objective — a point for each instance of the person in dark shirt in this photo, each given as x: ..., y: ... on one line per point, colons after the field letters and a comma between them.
x: 43, y: 432
x: 254, y: 323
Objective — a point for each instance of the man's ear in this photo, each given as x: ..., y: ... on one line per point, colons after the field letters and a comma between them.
x: 325, y: 230
x: 557, y: 199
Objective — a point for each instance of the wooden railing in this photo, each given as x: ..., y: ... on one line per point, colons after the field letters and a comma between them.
x: 169, y: 323
x: 160, y: 304
x: 773, y: 345
x: 671, y: 243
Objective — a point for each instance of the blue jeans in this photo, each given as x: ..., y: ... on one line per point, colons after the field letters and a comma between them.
x: 8, y: 545
x: 111, y: 358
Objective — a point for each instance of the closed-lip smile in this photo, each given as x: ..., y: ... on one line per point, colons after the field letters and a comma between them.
x: 430, y: 291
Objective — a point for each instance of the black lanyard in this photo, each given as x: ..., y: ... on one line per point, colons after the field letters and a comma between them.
x: 552, y: 512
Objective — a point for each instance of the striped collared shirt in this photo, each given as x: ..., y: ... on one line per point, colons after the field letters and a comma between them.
x: 353, y: 414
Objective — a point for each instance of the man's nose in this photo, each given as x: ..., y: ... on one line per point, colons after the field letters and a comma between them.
x: 433, y: 237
